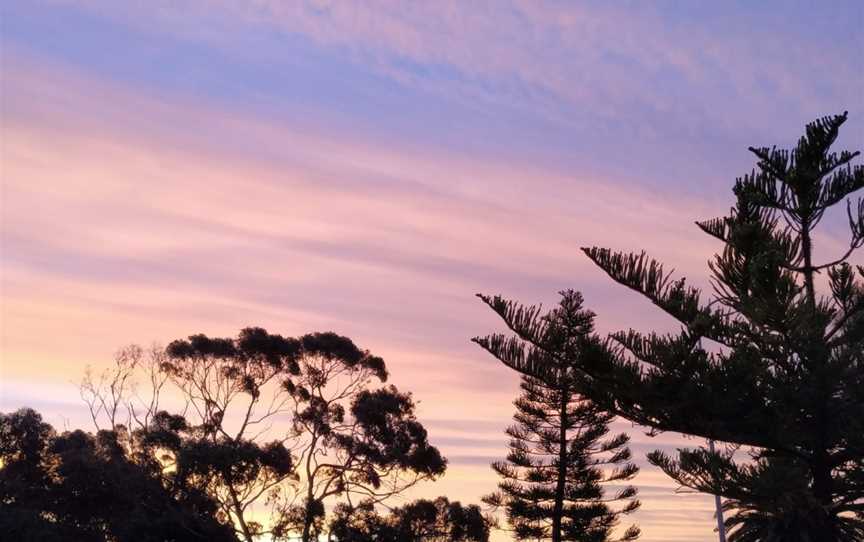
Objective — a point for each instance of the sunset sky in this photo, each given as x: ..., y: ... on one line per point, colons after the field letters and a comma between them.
x: 179, y: 167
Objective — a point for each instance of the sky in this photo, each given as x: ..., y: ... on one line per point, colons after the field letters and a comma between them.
x: 180, y: 167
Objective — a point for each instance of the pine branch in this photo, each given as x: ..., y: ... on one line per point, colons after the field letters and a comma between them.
x: 771, y: 161
x: 841, y: 184
x: 512, y: 352
x: 819, y: 135
x: 647, y: 276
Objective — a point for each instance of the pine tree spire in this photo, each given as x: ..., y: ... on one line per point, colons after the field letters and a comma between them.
x: 561, y: 455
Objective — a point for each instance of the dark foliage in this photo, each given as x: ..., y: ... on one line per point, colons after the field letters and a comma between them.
x: 235, y: 387
x: 79, y: 486
x: 423, y: 520
x: 349, y: 437
x: 361, y: 523
x: 561, y: 452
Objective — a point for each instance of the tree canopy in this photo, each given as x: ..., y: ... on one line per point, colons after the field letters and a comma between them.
x: 273, y: 423
x: 438, y: 520
x: 80, y: 486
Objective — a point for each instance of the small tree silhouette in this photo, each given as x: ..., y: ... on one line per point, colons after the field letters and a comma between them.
x: 561, y: 453
x: 438, y: 520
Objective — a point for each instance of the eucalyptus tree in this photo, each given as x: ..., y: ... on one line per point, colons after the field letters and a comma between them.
x: 355, y: 438
x: 234, y: 391
x: 270, y: 426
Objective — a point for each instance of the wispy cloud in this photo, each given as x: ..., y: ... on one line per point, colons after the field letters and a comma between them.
x: 625, y: 63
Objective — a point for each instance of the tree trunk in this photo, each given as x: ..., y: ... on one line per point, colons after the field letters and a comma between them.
x: 807, y: 251
x: 307, y: 516
x: 562, y: 469
x: 238, y: 510
x: 307, y: 525
x: 826, y: 527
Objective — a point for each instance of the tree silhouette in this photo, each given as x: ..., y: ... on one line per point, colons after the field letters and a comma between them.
x: 781, y: 370
x: 781, y: 512
x: 341, y: 436
x: 79, y: 486
x: 561, y: 453
x: 113, y: 397
x: 353, y: 440
x: 423, y: 520
x: 360, y: 523
x: 234, y: 389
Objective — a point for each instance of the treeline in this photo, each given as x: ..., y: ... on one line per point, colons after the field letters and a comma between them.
x: 224, y: 467
x: 770, y: 368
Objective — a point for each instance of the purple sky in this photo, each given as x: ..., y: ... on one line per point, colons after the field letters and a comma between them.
x: 171, y: 168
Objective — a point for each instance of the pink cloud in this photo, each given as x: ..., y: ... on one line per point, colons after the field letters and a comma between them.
x: 604, y: 60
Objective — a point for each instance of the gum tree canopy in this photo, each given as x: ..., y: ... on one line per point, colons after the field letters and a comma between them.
x: 272, y: 427
x: 349, y: 437
x: 772, y: 365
